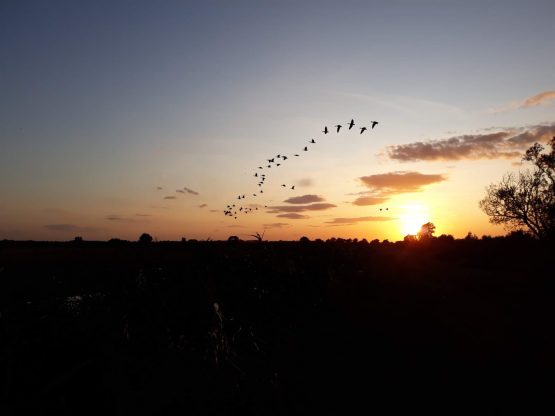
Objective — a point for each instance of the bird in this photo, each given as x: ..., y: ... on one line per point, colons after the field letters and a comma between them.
x: 260, y: 167
x: 271, y: 160
x: 312, y: 141
x: 325, y: 131
x: 253, y: 194
x: 305, y: 149
x: 278, y: 156
x: 269, y: 166
x: 261, y: 191
x: 256, y: 175
x: 278, y: 164
x: 243, y: 196
x: 293, y: 187
x: 362, y: 130
x: 295, y: 155
x: 351, y: 124
x: 284, y: 158
x: 259, y: 184
x: 284, y: 185
x: 338, y: 127
x: 374, y: 124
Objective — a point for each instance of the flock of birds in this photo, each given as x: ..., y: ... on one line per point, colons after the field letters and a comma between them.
x: 236, y: 209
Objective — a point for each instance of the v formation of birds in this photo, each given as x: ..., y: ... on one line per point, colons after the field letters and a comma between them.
x: 235, y: 209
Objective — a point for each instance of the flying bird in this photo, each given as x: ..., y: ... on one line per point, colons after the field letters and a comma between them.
x: 305, y: 149
x: 325, y: 131
x: 374, y: 124
x: 362, y: 130
x: 312, y: 141
x: 284, y: 158
x: 284, y: 185
x: 278, y: 164
x: 293, y: 187
x: 256, y: 175
x: 351, y: 124
x: 338, y: 127
x: 295, y: 155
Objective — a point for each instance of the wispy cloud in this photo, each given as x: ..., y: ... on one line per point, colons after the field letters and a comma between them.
x: 190, y: 191
x: 181, y: 191
x: 541, y: 98
x: 304, y: 199
x: 293, y: 216
x: 123, y: 218
x: 506, y: 144
x: 299, y: 208
x: 356, y: 220
x: 203, y: 205
x: 304, y: 182
x: 276, y: 225
x: 170, y: 197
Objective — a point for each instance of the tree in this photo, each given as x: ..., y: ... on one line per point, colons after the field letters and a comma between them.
x: 527, y: 199
x: 426, y: 231
x: 145, y: 238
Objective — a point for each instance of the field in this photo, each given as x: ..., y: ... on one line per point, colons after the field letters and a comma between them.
x: 276, y: 327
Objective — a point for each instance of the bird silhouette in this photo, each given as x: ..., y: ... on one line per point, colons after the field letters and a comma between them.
x: 260, y: 167
x: 278, y: 164
x: 256, y: 175
x: 338, y: 127
x: 261, y: 191
x: 284, y: 157
x: 312, y: 141
x: 305, y: 149
x: 278, y: 156
x: 325, y: 131
x: 374, y: 124
x: 271, y: 160
x: 269, y: 166
x: 284, y: 185
x: 293, y: 187
x: 362, y: 130
x: 351, y: 124
x: 295, y: 155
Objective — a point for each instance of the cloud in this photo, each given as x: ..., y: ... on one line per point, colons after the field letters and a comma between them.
x: 505, y: 144
x: 299, y: 208
x: 143, y: 215
x: 352, y: 221
x: 370, y: 200
x: 399, y: 182
x: 541, y: 98
x: 170, y: 197
x: 293, y: 216
x: 190, y: 191
x: 122, y: 218
x: 305, y: 199
x: 276, y: 225
x: 203, y: 205
x: 304, y: 182
x: 181, y: 191
x: 382, y: 186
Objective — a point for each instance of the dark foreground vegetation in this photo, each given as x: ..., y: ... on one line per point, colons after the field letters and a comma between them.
x: 441, y: 326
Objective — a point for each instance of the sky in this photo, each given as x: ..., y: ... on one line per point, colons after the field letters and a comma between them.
x: 124, y: 117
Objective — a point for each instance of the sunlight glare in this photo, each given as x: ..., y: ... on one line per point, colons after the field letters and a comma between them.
x: 413, y: 217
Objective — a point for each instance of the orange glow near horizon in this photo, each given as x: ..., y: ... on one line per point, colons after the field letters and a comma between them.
x: 412, y: 218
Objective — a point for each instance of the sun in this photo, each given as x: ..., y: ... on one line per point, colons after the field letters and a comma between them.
x: 412, y: 218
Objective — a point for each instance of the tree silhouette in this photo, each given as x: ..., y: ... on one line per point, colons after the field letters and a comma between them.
x: 528, y: 198
x: 145, y: 238
x: 426, y: 231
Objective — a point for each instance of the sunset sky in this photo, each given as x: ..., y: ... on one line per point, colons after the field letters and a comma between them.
x: 103, y: 103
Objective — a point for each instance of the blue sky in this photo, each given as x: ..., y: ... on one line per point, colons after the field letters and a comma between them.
x: 100, y: 102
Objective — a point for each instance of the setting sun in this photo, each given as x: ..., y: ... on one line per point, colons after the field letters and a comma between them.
x: 412, y: 218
